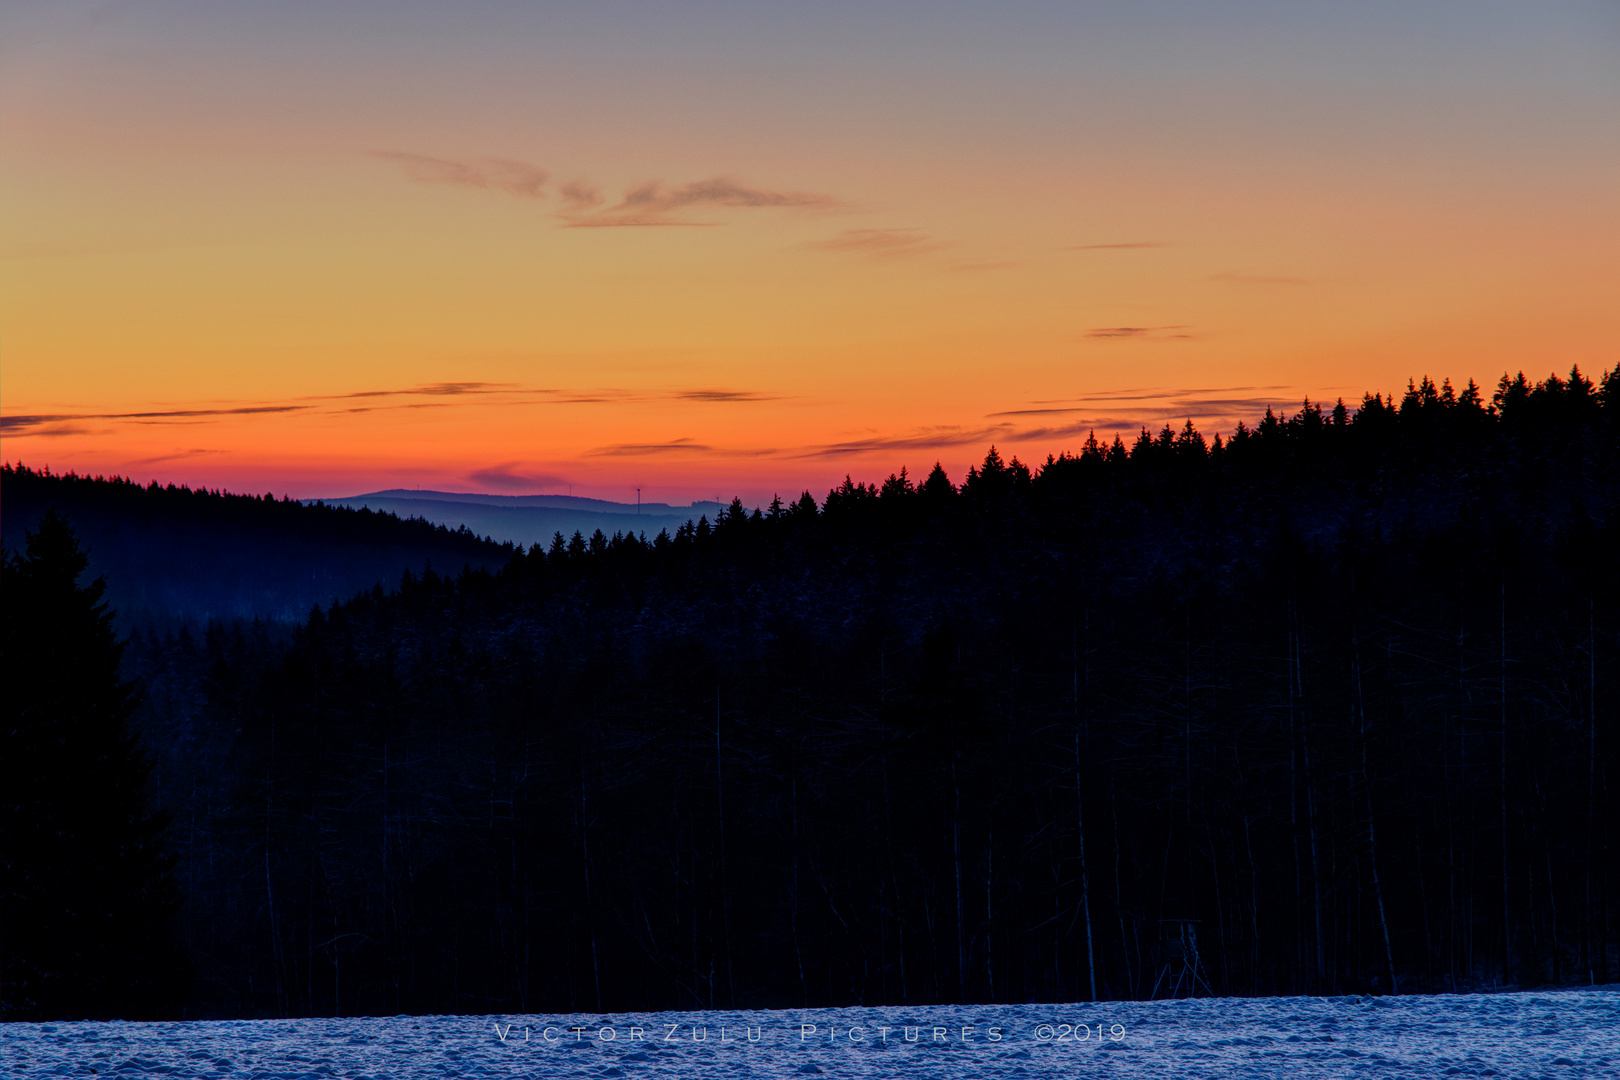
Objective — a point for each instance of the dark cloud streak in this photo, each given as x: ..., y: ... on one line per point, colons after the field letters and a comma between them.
x: 674, y: 446
x: 646, y: 206
x: 926, y: 439
x: 500, y: 174
x: 580, y: 195
x: 651, y: 204
x: 717, y: 191
x: 1151, y: 332
x: 506, y: 476
x: 20, y: 425
x: 43, y: 431
x: 722, y: 395
x: 877, y: 243
x: 443, y: 389
x: 178, y: 455
x: 47, y: 425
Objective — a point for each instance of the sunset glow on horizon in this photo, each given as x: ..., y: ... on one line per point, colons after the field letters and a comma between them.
x: 748, y: 249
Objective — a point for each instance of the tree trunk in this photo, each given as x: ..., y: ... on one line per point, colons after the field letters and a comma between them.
x: 1507, y: 936
x: 956, y: 847
x: 1372, y: 832
x: 725, y: 891
x: 1085, y: 880
x: 1080, y: 816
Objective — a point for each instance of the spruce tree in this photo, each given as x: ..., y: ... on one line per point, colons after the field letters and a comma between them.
x: 87, y: 895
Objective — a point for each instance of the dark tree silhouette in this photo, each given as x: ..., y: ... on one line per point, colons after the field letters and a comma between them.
x: 87, y: 892
x: 1326, y: 706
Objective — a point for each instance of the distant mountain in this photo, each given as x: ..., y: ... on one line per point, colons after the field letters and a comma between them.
x: 558, y: 502
x: 173, y: 555
x: 529, y: 519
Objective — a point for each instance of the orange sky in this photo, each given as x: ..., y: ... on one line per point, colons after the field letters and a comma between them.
x: 741, y: 252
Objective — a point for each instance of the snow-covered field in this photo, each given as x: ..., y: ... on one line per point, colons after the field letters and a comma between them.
x: 1560, y: 1034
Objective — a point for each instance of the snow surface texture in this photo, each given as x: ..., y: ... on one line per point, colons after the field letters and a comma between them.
x: 1562, y: 1034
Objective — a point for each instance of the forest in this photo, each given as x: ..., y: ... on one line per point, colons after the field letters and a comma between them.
x: 1324, y: 707
x: 174, y: 556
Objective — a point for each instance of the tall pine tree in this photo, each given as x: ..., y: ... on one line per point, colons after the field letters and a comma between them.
x: 87, y: 896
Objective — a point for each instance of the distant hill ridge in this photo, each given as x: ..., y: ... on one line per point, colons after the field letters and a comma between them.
x: 173, y: 554
x: 557, y: 502
x: 177, y: 555
x: 529, y: 519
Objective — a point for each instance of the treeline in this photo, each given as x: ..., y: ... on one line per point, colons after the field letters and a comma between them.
x: 1328, y: 706
x: 174, y: 556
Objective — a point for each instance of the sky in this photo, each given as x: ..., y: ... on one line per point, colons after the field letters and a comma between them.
x: 726, y: 248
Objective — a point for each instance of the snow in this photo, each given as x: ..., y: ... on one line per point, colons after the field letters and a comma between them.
x: 1563, y: 1034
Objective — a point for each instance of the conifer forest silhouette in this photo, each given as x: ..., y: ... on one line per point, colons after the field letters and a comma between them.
x: 1330, y: 702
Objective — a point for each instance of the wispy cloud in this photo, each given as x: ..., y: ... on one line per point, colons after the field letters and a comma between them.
x: 507, y: 476
x: 513, y: 394
x: 1061, y: 431
x: 60, y: 424
x: 582, y: 204
x: 877, y: 243
x: 722, y: 395
x: 652, y: 203
x: 1156, y: 393
x: 1035, y: 412
x: 406, y: 405
x: 450, y: 389
x: 1223, y: 406
x: 548, y: 396
x: 716, y: 191
x: 674, y: 446
x: 613, y: 395
x: 496, y: 174
x: 919, y: 439
x: 178, y: 455
x: 1127, y: 245
x: 1155, y: 332
x: 432, y: 395
x: 27, y: 424
x: 580, y: 195
x: 1150, y: 408
x: 442, y: 389
x: 1242, y: 278
x: 41, y: 427
x: 168, y: 414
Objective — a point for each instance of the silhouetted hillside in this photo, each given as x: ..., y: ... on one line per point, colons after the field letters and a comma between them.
x: 1336, y: 695
x: 174, y: 554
